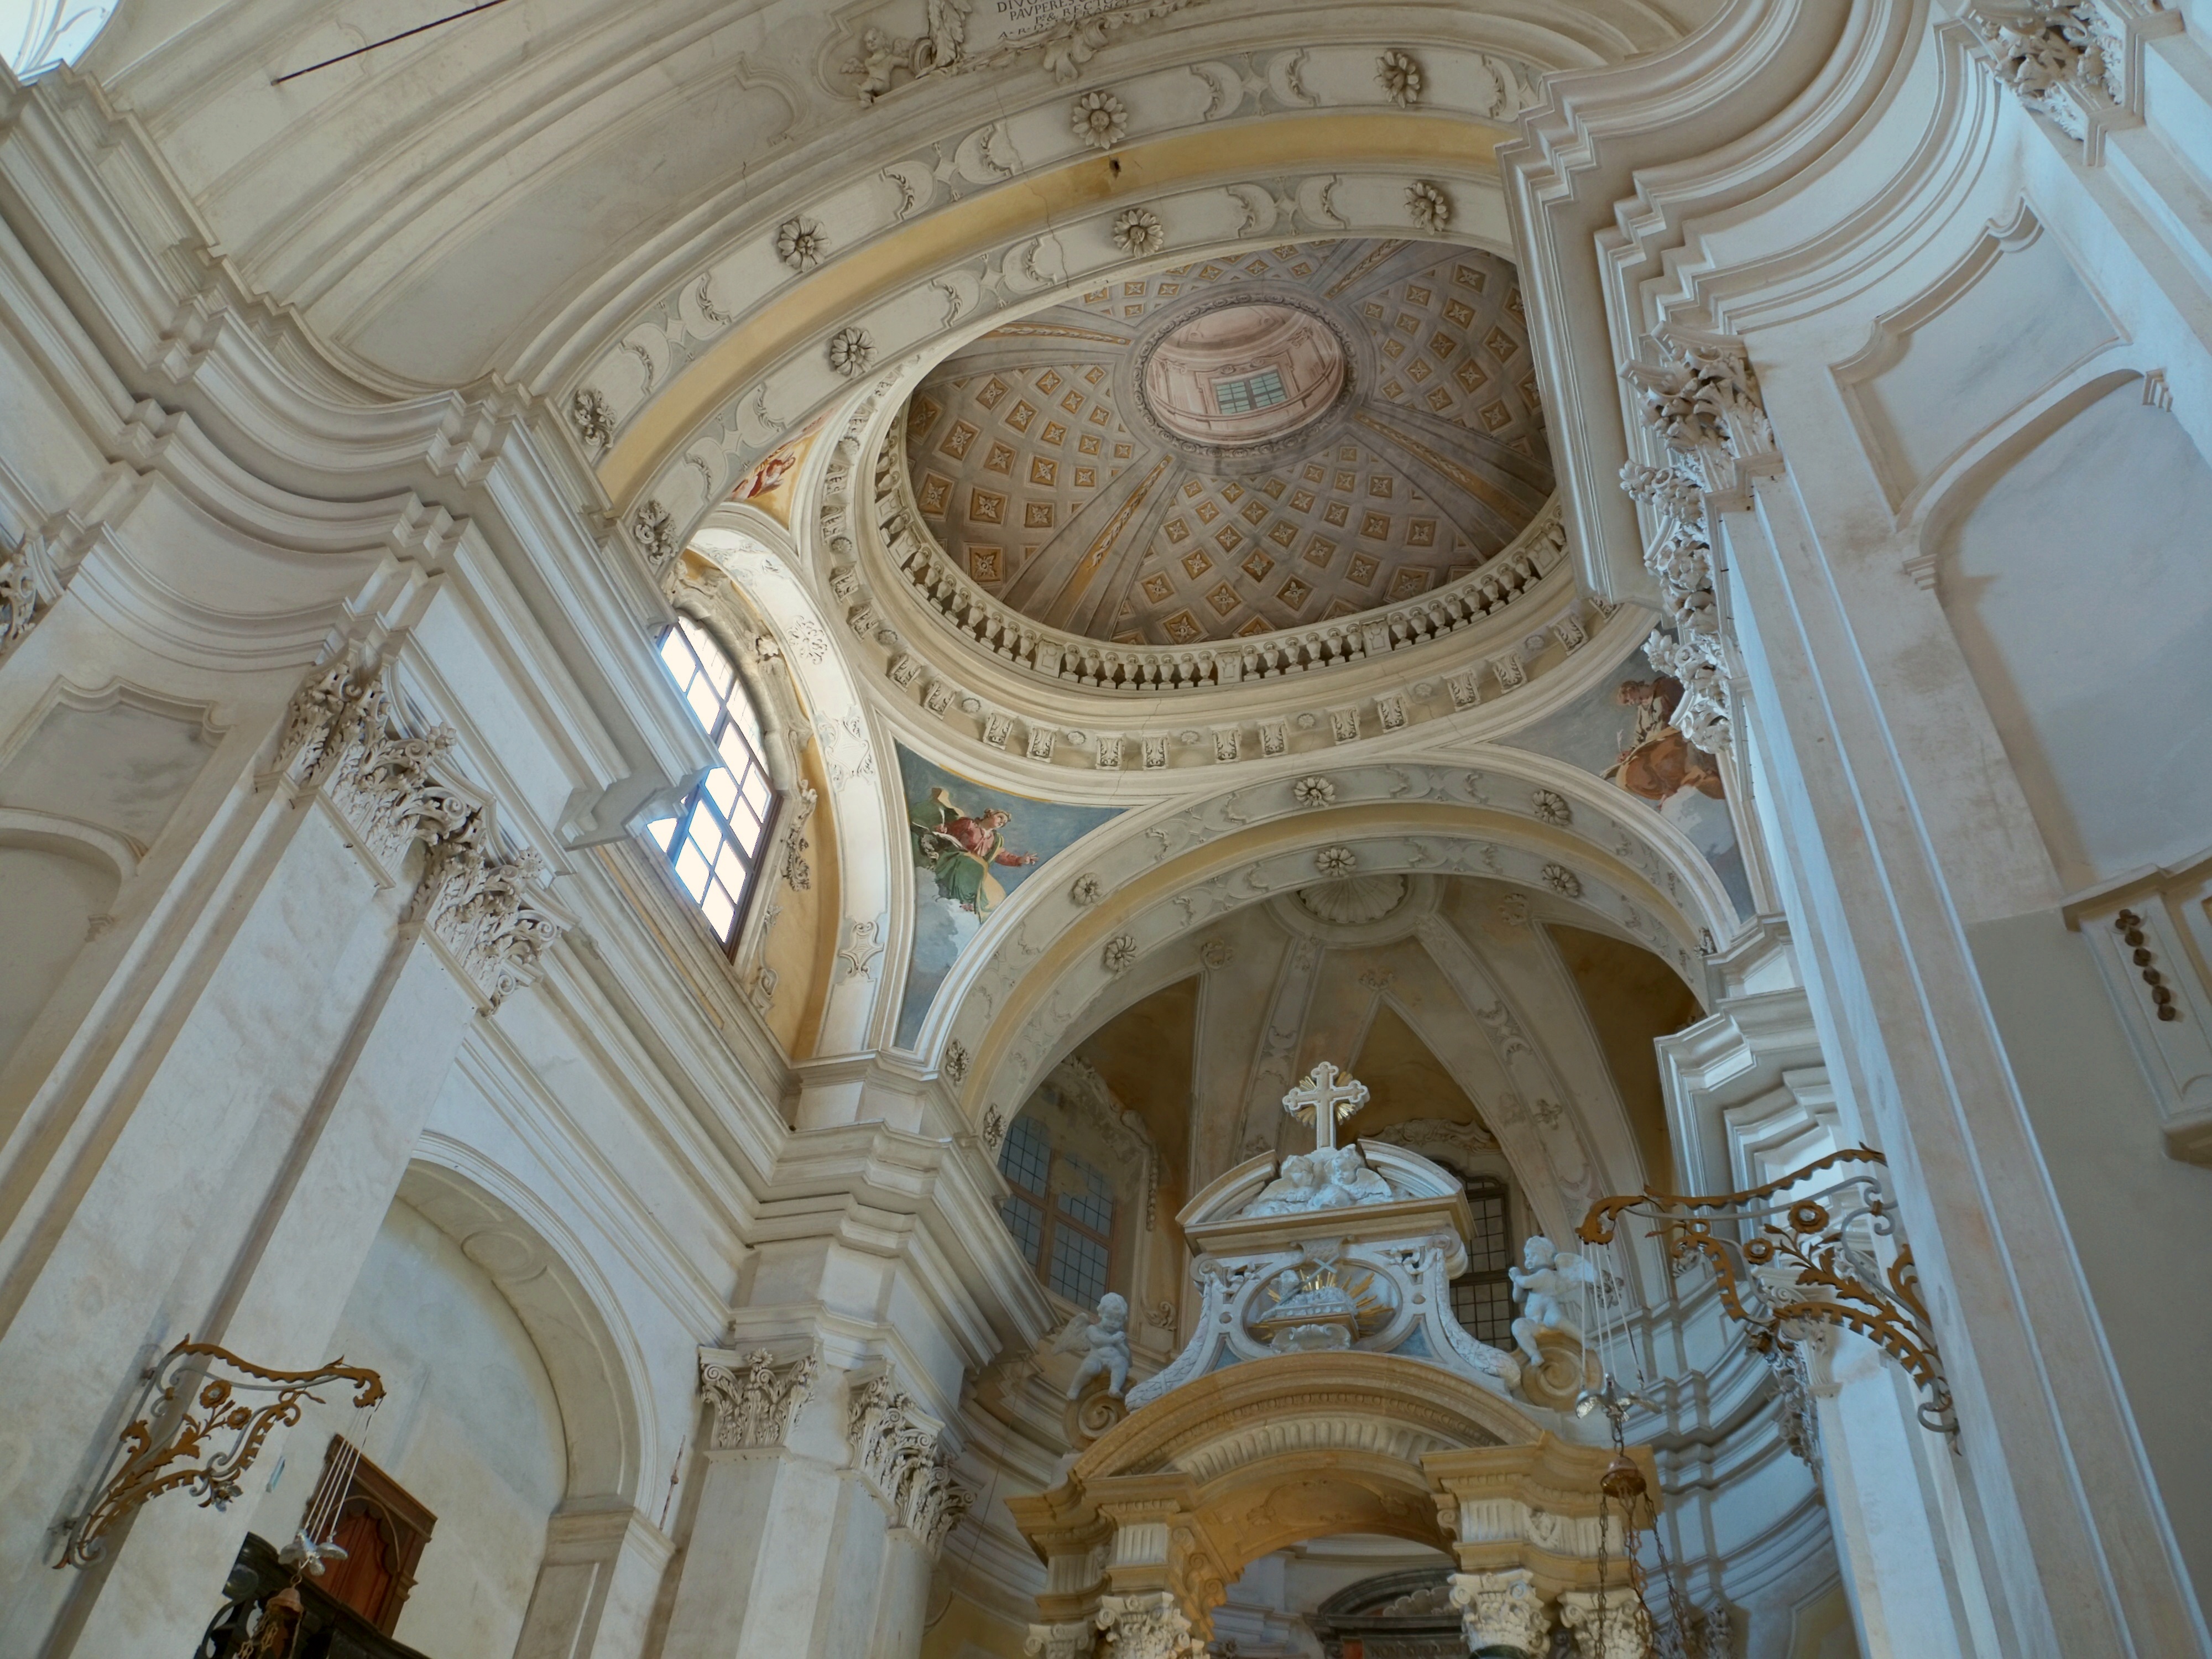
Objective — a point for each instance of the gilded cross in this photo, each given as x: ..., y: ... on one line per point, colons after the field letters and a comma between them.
x: 1329, y: 1098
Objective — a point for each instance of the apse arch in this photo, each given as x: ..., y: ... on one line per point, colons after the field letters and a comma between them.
x: 1155, y: 876
x: 1180, y: 1495
x: 595, y: 1363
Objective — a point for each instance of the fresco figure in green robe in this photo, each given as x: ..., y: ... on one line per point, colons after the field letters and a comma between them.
x: 960, y: 851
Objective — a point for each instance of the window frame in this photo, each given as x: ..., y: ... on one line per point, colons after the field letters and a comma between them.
x: 1245, y: 387
x: 699, y: 798
x: 1055, y: 1217
x: 1484, y: 1186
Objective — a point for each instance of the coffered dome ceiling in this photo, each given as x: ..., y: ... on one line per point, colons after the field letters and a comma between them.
x: 1225, y: 448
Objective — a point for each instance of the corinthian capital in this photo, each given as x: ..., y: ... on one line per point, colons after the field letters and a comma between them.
x: 343, y: 735
x: 1151, y: 1627
x: 1501, y: 1610
x: 1606, y: 1625
x: 755, y: 1399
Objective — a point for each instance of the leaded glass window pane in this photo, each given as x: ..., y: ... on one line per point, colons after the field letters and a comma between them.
x: 714, y: 841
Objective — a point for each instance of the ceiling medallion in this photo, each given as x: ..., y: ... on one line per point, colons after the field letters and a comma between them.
x: 1354, y: 901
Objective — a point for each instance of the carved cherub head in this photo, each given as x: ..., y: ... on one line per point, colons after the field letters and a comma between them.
x: 1113, y: 1311
x: 1539, y: 1251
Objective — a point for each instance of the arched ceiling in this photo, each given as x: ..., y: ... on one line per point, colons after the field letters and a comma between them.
x: 1055, y: 457
x: 1458, y: 1000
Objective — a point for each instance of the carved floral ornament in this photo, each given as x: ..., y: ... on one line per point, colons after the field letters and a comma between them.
x: 1099, y: 118
x: 1701, y: 407
x: 1137, y: 232
x: 2061, y: 61
x: 902, y: 1458
x: 755, y: 1400
x: 1401, y: 77
x: 487, y: 906
x: 31, y: 580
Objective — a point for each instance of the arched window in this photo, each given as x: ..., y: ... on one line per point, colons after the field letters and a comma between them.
x: 716, y: 841
x: 1482, y: 1296
x: 1061, y: 1213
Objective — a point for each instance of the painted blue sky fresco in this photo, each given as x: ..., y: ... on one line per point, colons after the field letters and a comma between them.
x: 966, y: 864
x: 1619, y: 730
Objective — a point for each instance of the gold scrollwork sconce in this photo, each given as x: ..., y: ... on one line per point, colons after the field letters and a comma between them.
x: 1794, y: 1250
x: 195, y: 1429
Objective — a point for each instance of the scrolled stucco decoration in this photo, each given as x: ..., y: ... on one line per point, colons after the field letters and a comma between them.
x: 1149, y: 1626
x: 343, y: 735
x: 1429, y: 207
x: 1137, y: 232
x: 1503, y: 1610
x: 1400, y: 75
x: 1613, y: 1626
x: 593, y: 418
x: 1099, y: 118
x: 653, y: 527
x: 2060, y: 61
x: 851, y: 350
x: 755, y: 1400
x: 883, y: 61
x: 1701, y: 405
x: 801, y: 243
x: 901, y: 1456
x: 30, y: 581
x: 1354, y: 901
x: 956, y: 1062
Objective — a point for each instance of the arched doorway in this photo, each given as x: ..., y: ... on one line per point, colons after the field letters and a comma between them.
x: 1151, y: 1523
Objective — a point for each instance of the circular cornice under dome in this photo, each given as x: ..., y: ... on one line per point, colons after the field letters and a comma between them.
x: 1231, y: 448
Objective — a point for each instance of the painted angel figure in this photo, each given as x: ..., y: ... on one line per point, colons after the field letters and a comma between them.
x: 1106, y: 1337
x: 1542, y: 1288
x: 960, y: 851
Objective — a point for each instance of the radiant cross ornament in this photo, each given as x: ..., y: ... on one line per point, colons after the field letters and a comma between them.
x: 1331, y: 1097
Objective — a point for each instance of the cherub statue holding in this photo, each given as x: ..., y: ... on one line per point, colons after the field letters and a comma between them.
x: 1542, y: 1287
x: 1105, y: 1339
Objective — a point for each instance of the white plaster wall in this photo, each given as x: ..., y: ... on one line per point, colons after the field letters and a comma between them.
x: 49, y: 898
x: 471, y: 1427
x: 2080, y: 591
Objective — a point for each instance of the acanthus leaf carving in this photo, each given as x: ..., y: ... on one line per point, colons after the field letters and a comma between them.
x: 2060, y: 61
x: 1701, y: 404
x: 341, y: 735
x: 902, y: 1457
x: 755, y: 1400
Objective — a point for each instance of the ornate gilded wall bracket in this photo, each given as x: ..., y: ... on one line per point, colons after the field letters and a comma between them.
x: 196, y: 1429
x: 1797, y: 1249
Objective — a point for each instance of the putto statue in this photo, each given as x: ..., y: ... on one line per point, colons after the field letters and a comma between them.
x: 1542, y: 1288
x: 1106, y: 1338
x: 1330, y: 1176
x: 1327, y: 1178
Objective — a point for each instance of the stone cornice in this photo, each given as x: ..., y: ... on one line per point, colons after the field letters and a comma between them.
x: 236, y: 402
